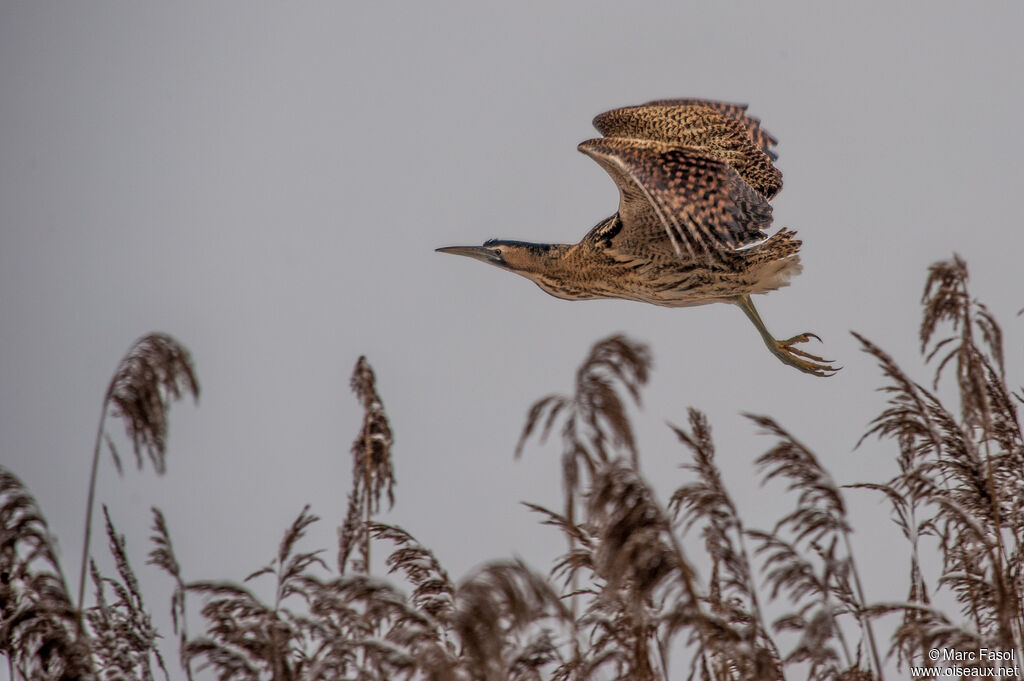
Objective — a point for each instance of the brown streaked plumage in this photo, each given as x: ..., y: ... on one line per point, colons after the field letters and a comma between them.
x: 694, y: 177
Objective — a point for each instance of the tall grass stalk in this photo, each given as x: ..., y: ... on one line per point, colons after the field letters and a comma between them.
x: 156, y: 371
x: 624, y: 599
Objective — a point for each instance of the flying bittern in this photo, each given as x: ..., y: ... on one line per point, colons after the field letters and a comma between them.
x: 694, y: 178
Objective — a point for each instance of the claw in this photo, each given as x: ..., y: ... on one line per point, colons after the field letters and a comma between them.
x: 801, y: 359
x: 801, y: 353
x: 800, y: 338
x: 784, y: 350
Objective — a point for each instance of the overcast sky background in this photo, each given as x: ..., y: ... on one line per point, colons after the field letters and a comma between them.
x: 267, y: 183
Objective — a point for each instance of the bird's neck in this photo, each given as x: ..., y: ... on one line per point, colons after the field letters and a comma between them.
x: 554, y: 260
x: 557, y: 272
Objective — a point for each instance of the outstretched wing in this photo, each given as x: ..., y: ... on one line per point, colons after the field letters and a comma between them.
x: 680, y: 200
x: 758, y: 135
x: 720, y: 130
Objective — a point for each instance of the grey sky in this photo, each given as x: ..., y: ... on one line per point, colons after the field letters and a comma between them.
x: 268, y: 183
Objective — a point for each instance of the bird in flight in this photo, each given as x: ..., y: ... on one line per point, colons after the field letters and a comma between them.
x: 695, y: 178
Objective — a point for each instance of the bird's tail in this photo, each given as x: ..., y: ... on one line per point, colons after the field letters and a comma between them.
x: 773, y: 262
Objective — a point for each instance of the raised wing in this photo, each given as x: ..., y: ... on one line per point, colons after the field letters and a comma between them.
x: 761, y: 137
x: 680, y: 200
x: 719, y: 129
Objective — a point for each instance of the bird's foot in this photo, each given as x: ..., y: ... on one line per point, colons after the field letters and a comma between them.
x: 801, y: 359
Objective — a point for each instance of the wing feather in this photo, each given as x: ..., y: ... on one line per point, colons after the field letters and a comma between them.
x: 761, y: 137
x: 680, y: 197
x: 720, y: 130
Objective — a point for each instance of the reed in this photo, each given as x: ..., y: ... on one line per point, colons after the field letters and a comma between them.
x: 624, y: 599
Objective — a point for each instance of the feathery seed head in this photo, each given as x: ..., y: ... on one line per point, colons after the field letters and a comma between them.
x: 155, y: 372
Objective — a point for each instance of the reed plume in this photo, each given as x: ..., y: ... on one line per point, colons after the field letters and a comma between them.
x: 595, y: 424
x: 645, y: 589
x: 819, y: 526
x: 40, y: 633
x: 247, y: 638
x: 156, y: 371
x: 624, y: 598
x: 162, y: 556
x: 122, y: 633
x: 732, y: 592
x: 372, y: 471
x: 506, y: 616
x: 959, y: 479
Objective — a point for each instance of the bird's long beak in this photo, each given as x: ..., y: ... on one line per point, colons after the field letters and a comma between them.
x: 481, y: 253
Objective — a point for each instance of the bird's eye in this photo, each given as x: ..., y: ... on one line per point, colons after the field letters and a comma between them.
x: 497, y: 252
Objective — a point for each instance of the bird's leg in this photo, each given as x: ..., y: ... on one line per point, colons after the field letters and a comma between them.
x: 783, y: 349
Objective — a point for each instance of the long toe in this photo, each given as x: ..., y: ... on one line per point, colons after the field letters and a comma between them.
x: 800, y: 338
x: 803, y: 360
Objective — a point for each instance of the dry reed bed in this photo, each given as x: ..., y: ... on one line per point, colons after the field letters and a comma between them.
x: 624, y: 596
